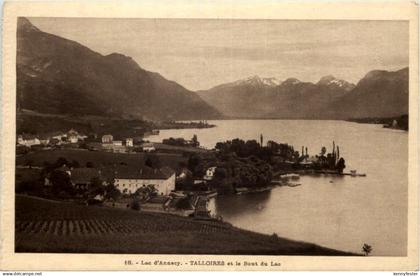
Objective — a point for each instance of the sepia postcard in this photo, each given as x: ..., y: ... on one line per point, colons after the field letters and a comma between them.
x: 215, y: 135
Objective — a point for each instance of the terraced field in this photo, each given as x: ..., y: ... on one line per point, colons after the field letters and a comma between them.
x: 51, y: 226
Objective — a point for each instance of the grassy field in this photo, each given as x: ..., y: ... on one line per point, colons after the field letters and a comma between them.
x: 180, y: 149
x: 57, y: 227
x: 96, y: 157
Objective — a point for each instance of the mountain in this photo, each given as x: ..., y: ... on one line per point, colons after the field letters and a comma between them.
x: 378, y: 94
x: 60, y: 76
x: 333, y: 83
x: 243, y: 98
x: 256, y: 98
x: 257, y: 81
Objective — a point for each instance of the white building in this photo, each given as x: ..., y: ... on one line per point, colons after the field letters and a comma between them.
x: 117, y: 143
x: 210, y: 173
x: 44, y: 141
x: 129, y: 142
x: 129, y: 180
x: 108, y: 138
x: 148, y: 147
x: 28, y: 140
x: 72, y: 136
x: 111, y: 147
x: 73, y: 139
x: 58, y: 136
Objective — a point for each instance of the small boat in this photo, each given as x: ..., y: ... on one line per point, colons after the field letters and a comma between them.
x: 209, y: 194
x: 241, y: 190
x: 293, y: 184
x: 178, y: 194
x: 259, y: 190
x: 292, y: 176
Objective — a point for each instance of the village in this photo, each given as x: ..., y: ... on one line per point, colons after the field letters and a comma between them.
x: 176, y: 176
x: 139, y: 184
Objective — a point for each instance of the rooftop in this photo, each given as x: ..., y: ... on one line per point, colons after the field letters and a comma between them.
x: 144, y: 172
x: 84, y: 175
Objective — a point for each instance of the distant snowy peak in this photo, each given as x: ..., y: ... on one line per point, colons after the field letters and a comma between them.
x: 332, y: 81
x: 257, y: 81
x: 271, y: 81
x: 291, y: 81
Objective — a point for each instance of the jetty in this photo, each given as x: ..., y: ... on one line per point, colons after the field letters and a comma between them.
x: 351, y: 173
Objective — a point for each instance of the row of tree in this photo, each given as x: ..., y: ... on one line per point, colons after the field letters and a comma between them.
x: 234, y: 172
x: 231, y: 172
x: 252, y: 148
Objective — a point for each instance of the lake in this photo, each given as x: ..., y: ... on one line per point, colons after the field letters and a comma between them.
x: 333, y: 211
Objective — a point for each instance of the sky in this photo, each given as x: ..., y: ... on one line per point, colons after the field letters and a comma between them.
x: 202, y: 53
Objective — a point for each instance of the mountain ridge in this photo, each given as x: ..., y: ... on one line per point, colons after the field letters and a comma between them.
x: 61, y: 76
x: 378, y: 94
x: 329, y: 98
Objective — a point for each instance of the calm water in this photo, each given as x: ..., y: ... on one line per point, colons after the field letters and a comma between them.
x: 338, y: 212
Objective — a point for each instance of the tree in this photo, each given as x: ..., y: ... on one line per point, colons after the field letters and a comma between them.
x: 341, y: 164
x: 95, y: 187
x: 31, y: 186
x: 185, y: 180
x: 152, y: 161
x: 29, y: 163
x: 83, y: 145
x: 194, y: 141
x: 220, y: 173
x: 135, y: 205
x: 112, y: 193
x: 193, y: 164
x: 146, y: 192
x: 222, y: 147
x: 89, y: 165
x: 366, y: 249
x: 60, y: 162
x: 47, y: 164
x: 61, y: 182
x: 74, y: 164
x: 21, y: 149
x: 182, y: 164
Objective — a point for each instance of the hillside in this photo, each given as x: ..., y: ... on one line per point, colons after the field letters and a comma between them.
x: 59, y: 227
x: 60, y: 76
x: 378, y: 94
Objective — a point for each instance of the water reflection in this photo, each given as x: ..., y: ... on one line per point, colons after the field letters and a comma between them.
x: 240, y: 205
